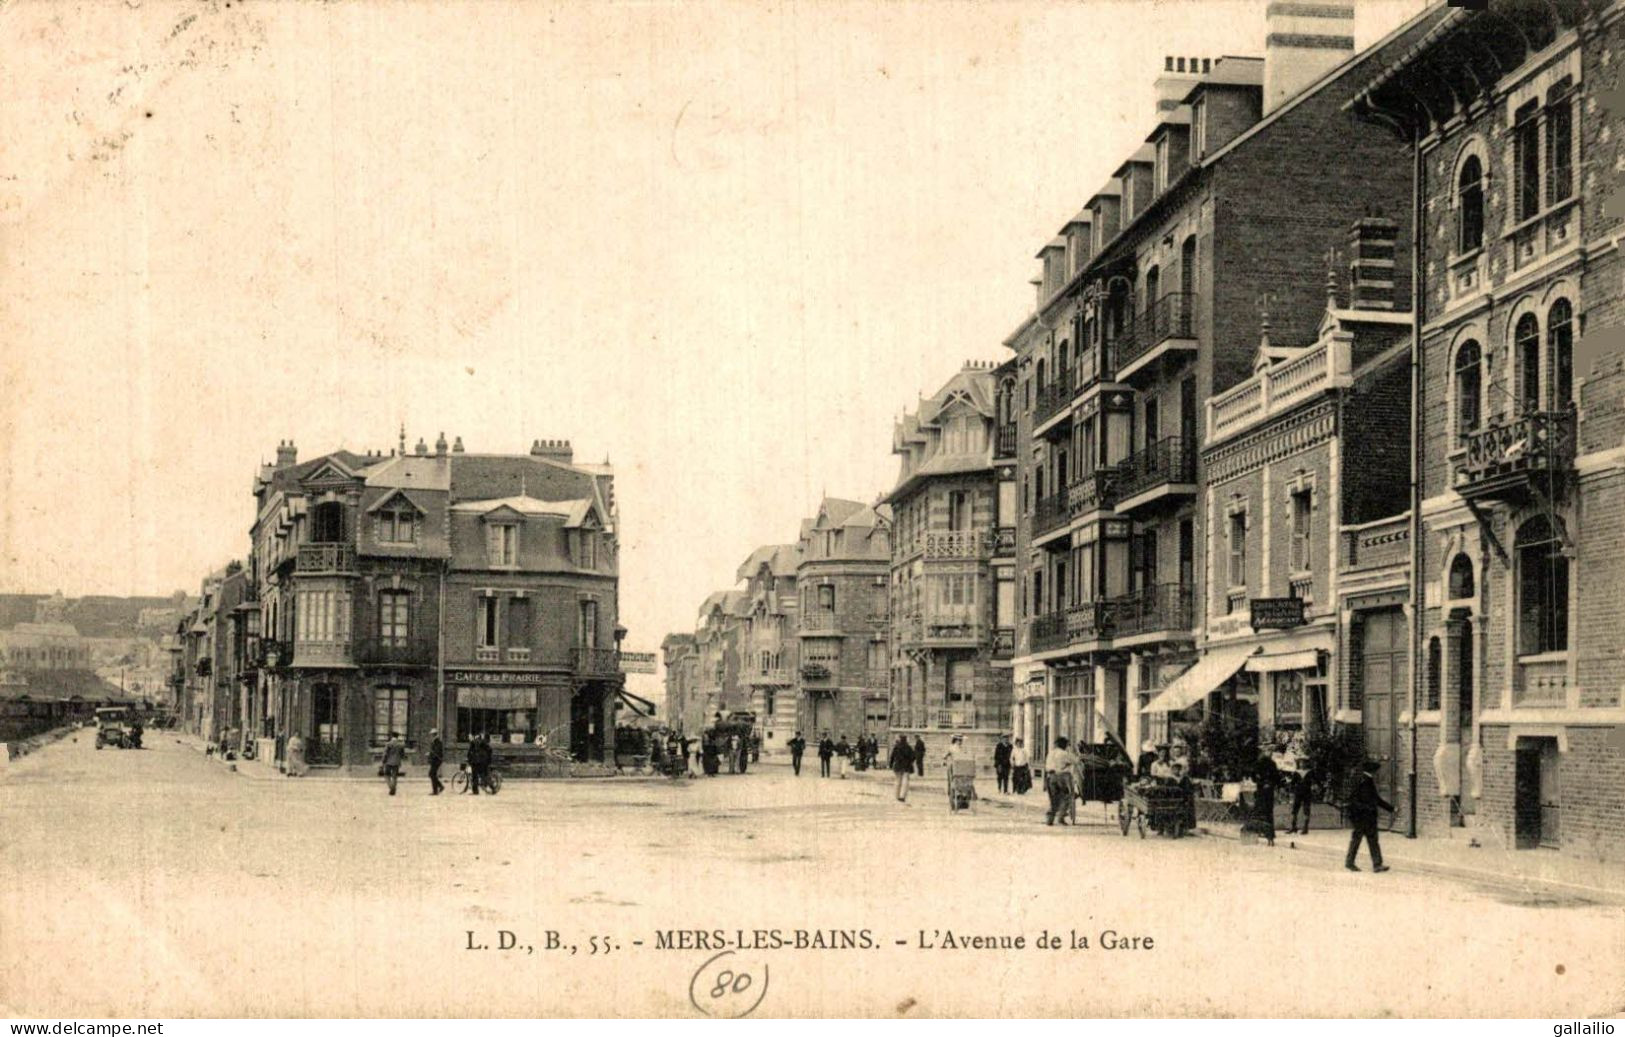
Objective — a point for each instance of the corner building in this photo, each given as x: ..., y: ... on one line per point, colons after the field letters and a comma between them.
x: 1519, y: 685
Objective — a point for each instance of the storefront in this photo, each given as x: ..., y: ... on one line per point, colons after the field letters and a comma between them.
x: 511, y: 707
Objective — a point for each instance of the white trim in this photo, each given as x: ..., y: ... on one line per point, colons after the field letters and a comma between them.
x: 1596, y: 716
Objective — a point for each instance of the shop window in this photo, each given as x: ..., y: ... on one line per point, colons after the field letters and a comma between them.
x: 1470, y: 206
x: 1289, y: 695
x: 1543, y: 589
x: 1468, y: 383
x: 389, y: 713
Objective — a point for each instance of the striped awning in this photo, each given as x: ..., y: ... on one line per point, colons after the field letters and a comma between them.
x: 1196, y: 683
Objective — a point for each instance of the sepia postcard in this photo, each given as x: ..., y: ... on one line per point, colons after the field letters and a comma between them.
x: 1035, y: 509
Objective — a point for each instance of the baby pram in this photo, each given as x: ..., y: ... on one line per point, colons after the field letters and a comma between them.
x: 961, y: 783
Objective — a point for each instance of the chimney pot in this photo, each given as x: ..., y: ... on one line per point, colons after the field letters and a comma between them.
x: 422, y: 449
x: 440, y: 446
x: 457, y: 447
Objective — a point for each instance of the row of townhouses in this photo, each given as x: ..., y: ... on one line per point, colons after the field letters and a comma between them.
x: 1312, y: 436
x: 476, y: 594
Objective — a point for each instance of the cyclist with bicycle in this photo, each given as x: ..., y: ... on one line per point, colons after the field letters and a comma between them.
x: 479, y: 764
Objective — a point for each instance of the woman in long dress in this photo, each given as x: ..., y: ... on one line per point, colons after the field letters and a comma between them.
x: 296, y: 757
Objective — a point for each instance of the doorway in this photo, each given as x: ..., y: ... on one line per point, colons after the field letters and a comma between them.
x: 824, y: 715
x: 327, y: 730
x: 1464, y: 724
x: 1384, y: 677
x: 1536, y: 812
x: 586, y: 719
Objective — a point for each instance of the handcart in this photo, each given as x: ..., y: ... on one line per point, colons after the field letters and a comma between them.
x: 961, y: 784
x: 1162, y: 808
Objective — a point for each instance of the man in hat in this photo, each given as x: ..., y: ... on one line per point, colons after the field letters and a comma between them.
x: 1162, y: 768
x: 437, y: 756
x: 1364, y: 799
x: 1001, y: 762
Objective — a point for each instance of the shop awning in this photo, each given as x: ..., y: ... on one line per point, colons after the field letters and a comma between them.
x: 1190, y: 687
x: 1304, y: 659
x: 641, y: 706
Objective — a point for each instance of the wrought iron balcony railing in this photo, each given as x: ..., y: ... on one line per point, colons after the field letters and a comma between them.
x: 597, y: 662
x: 1171, y: 460
x: 395, y: 651
x: 1159, y: 607
x: 1051, y: 399
x: 1167, y: 318
x: 325, y: 558
x: 960, y: 544
x: 1501, y: 459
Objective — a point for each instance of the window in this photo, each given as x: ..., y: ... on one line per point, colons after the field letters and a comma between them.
x: 826, y: 597
x: 397, y: 525
x: 1289, y: 700
x: 1560, y: 143
x: 588, y: 629
x: 877, y: 656
x: 389, y: 713
x: 327, y: 523
x: 1470, y: 206
x: 324, y: 616
x: 501, y: 544
x: 486, y: 613
x: 1198, y: 130
x: 1302, y: 509
x: 1153, y: 284
x: 1238, y: 549
x: 589, y: 549
x: 1469, y: 388
x: 519, y: 627
x: 1526, y: 348
x: 958, y: 511
x: 1430, y: 700
x: 1526, y: 161
x: 1144, y: 548
x: 394, y: 610
x: 960, y: 672
x: 1543, y: 589
x: 1560, y: 349
x: 1461, y: 578
x: 1163, y: 175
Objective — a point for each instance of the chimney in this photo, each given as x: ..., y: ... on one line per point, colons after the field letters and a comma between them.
x: 457, y: 447
x: 1372, y: 242
x: 553, y: 450
x: 287, y: 455
x: 440, y: 446
x: 1302, y: 42
x: 1175, y: 81
x: 422, y: 449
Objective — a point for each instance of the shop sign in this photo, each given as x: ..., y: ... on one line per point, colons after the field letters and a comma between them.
x: 509, y: 678
x: 1277, y: 613
x: 637, y: 662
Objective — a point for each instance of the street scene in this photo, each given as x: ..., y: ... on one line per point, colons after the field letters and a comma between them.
x: 643, y: 510
x: 180, y: 887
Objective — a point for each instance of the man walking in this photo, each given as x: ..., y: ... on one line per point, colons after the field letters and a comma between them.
x: 798, y: 745
x: 437, y: 756
x: 1058, y: 781
x: 479, y: 763
x: 826, y: 749
x: 1001, y: 763
x: 394, y: 756
x: 919, y: 756
x: 902, y: 765
x: 1364, y: 800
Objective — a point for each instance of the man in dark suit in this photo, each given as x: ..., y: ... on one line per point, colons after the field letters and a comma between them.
x: 798, y: 745
x: 1001, y: 762
x: 826, y: 750
x: 919, y: 756
x: 1362, y: 812
x: 437, y: 756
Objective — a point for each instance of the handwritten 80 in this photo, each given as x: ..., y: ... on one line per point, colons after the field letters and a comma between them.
x: 727, y: 988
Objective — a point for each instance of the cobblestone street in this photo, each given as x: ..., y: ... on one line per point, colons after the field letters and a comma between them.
x: 160, y: 883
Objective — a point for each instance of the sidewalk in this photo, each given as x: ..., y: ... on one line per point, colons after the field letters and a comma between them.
x: 1455, y: 857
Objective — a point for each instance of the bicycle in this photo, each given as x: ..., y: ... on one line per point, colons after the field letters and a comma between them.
x: 460, y: 780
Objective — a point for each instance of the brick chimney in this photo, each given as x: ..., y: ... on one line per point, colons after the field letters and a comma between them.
x: 1372, y: 242
x: 287, y: 455
x: 553, y: 450
x: 1175, y: 80
x: 1302, y: 42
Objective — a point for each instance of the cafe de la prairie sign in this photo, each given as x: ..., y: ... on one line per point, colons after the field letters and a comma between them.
x: 1277, y: 613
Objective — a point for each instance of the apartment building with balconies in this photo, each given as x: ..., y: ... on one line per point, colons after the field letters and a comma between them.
x: 1221, y: 217
x: 684, y: 709
x: 719, y: 643
x: 771, y: 647
x: 473, y: 593
x: 1518, y: 683
x: 842, y: 581
x: 952, y: 580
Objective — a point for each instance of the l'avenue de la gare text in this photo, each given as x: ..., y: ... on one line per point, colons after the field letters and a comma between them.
x: 923, y: 939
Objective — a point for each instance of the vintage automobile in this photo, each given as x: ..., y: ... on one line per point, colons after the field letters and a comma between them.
x: 113, y: 727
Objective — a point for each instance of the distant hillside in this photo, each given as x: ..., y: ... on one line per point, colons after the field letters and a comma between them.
x: 96, y: 615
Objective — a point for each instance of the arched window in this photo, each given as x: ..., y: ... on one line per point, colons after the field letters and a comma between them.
x: 1461, y: 578
x: 1526, y: 351
x: 1187, y: 266
x: 1470, y: 206
x: 1469, y: 378
x: 1038, y: 375
x: 1543, y: 589
x: 1560, y: 348
x: 1153, y: 284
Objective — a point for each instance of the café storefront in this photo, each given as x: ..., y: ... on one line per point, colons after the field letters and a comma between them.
x: 514, y: 708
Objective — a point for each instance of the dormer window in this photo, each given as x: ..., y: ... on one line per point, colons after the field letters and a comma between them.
x: 397, y: 524
x: 1163, y: 176
x: 502, y: 545
x: 1198, y: 131
x: 589, y: 549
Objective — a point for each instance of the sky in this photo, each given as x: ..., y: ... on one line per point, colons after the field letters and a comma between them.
x: 721, y: 245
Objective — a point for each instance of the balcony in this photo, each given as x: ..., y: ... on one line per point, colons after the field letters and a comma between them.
x: 1096, y: 491
x: 597, y: 662
x: 1050, y: 514
x: 1161, y: 328
x: 817, y: 673
x: 1005, y: 443
x: 395, y: 651
x: 325, y: 558
x: 1377, y: 545
x: 1165, y: 469
x: 1509, y: 460
x: 1087, y: 625
x: 963, y: 717
x: 968, y: 544
x: 768, y: 678
x: 320, y: 654
x: 1276, y: 390
x: 1048, y: 632
x: 1051, y: 400
x: 1004, y: 642
x: 818, y: 621
x: 1160, y: 609
x: 942, y: 629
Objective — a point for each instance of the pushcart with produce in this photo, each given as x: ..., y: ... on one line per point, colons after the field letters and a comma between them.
x: 1162, y: 807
